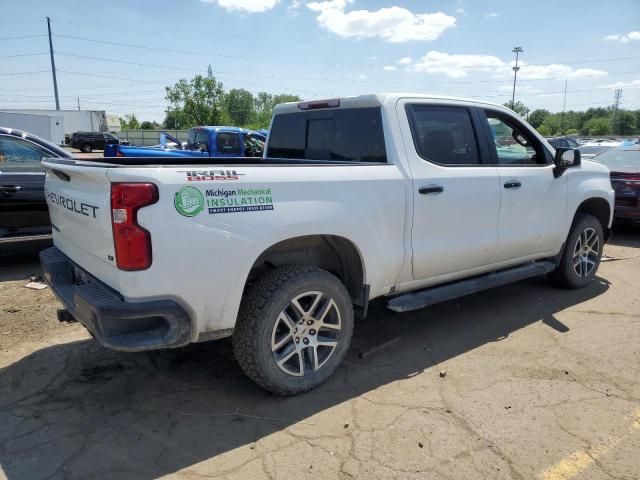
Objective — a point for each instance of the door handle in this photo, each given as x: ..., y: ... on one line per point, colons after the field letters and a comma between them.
x: 430, y: 189
x: 512, y: 185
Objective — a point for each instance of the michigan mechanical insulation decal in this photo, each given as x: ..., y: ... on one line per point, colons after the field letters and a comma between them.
x: 189, y: 201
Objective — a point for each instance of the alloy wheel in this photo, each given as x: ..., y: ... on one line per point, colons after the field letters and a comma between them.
x: 306, y: 333
x: 586, y: 252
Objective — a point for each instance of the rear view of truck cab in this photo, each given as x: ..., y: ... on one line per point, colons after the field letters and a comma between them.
x: 95, y: 223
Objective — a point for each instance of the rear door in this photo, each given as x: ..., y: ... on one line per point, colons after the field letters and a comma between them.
x: 533, y: 201
x: 23, y: 211
x: 456, y: 198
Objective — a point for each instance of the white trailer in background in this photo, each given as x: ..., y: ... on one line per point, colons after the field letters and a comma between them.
x: 48, y: 127
x: 73, y: 121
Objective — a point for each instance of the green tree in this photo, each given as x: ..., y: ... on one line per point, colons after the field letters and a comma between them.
x: 598, y: 126
x: 129, y: 122
x: 624, y: 123
x: 147, y: 125
x: 199, y: 101
x: 518, y: 107
x: 537, y: 117
x: 240, y: 107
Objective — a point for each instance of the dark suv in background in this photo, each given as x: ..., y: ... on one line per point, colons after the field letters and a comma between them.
x: 89, y: 141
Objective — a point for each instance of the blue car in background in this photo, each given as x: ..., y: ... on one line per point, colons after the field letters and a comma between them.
x: 201, y: 142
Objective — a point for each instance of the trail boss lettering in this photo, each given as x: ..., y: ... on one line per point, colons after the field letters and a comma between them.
x: 210, y: 175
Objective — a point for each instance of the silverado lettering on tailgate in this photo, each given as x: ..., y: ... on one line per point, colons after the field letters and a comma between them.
x: 72, y: 205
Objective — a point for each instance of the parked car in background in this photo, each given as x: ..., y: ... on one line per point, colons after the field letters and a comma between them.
x: 89, y: 141
x: 201, y: 142
x: 23, y: 209
x: 624, y: 164
x: 591, y: 149
x: 563, y: 142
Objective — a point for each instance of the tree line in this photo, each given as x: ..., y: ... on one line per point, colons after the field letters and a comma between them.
x: 594, y: 121
x: 204, y: 101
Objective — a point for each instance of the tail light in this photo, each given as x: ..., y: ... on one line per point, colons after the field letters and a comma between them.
x: 132, y: 242
x: 119, y: 153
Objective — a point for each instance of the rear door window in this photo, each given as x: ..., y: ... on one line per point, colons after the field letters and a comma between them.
x: 443, y: 135
x: 348, y: 134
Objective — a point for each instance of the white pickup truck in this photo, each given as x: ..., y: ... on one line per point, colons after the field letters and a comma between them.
x: 411, y: 197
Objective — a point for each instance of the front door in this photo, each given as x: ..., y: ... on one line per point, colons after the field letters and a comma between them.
x: 533, y: 201
x: 456, y: 199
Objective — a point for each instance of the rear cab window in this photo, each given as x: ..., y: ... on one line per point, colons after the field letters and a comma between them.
x: 341, y: 134
x: 228, y: 143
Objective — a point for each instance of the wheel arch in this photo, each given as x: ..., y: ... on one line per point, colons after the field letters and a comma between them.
x: 333, y: 253
x: 599, y: 208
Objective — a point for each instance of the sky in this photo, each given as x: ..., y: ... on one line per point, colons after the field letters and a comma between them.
x: 119, y: 55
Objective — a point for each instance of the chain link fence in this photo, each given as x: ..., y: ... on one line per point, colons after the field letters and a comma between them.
x: 149, y: 137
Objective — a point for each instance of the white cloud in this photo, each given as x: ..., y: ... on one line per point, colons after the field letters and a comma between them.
x: 491, y: 15
x: 631, y: 84
x: 389, y: 68
x: 248, y: 6
x: 458, y: 66
x: 394, y: 24
x: 623, y: 37
x: 543, y: 72
x: 405, y: 61
x: 460, y: 10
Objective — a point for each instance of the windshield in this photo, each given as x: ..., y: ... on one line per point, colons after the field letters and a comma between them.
x: 619, y: 158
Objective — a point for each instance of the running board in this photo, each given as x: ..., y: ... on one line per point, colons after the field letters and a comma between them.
x: 430, y: 296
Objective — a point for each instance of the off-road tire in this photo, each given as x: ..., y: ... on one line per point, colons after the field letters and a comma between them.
x: 565, y: 274
x: 262, y: 303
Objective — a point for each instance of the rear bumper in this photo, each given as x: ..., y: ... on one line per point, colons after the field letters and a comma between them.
x: 114, y: 322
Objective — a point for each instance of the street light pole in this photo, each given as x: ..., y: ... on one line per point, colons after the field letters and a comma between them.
x: 517, y: 51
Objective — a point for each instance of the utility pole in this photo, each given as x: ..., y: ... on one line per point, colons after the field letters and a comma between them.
x: 564, y: 104
x: 616, y: 107
x: 517, y: 51
x: 53, y: 65
x: 78, y: 103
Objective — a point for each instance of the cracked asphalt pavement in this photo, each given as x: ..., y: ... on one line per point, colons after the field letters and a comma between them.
x: 521, y: 382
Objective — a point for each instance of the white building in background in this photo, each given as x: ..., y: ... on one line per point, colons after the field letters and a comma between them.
x: 69, y: 120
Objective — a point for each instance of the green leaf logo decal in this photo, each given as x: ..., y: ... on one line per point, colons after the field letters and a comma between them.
x: 189, y: 201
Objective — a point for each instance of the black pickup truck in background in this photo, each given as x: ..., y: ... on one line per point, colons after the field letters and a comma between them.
x: 23, y: 209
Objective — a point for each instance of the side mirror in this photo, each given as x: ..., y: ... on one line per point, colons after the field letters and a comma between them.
x: 566, y: 157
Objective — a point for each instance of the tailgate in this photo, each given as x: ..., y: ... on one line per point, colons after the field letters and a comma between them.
x: 79, y: 199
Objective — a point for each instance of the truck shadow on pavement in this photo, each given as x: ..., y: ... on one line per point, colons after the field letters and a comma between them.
x: 79, y: 410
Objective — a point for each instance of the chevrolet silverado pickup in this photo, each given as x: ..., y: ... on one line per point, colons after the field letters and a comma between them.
x: 201, y: 142
x: 415, y: 198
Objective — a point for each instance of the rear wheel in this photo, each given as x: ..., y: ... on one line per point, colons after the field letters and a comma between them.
x: 582, y: 253
x: 86, y: 148
x: 294, y: 328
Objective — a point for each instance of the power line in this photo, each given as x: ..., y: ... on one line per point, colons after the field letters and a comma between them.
x: 24, y: 55
x: 21, y: 37
x: 23, y: 73
x: 314, y: 62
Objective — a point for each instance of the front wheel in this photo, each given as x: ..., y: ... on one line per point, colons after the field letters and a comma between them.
x: 582, y: 253
x: 294, y: 328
